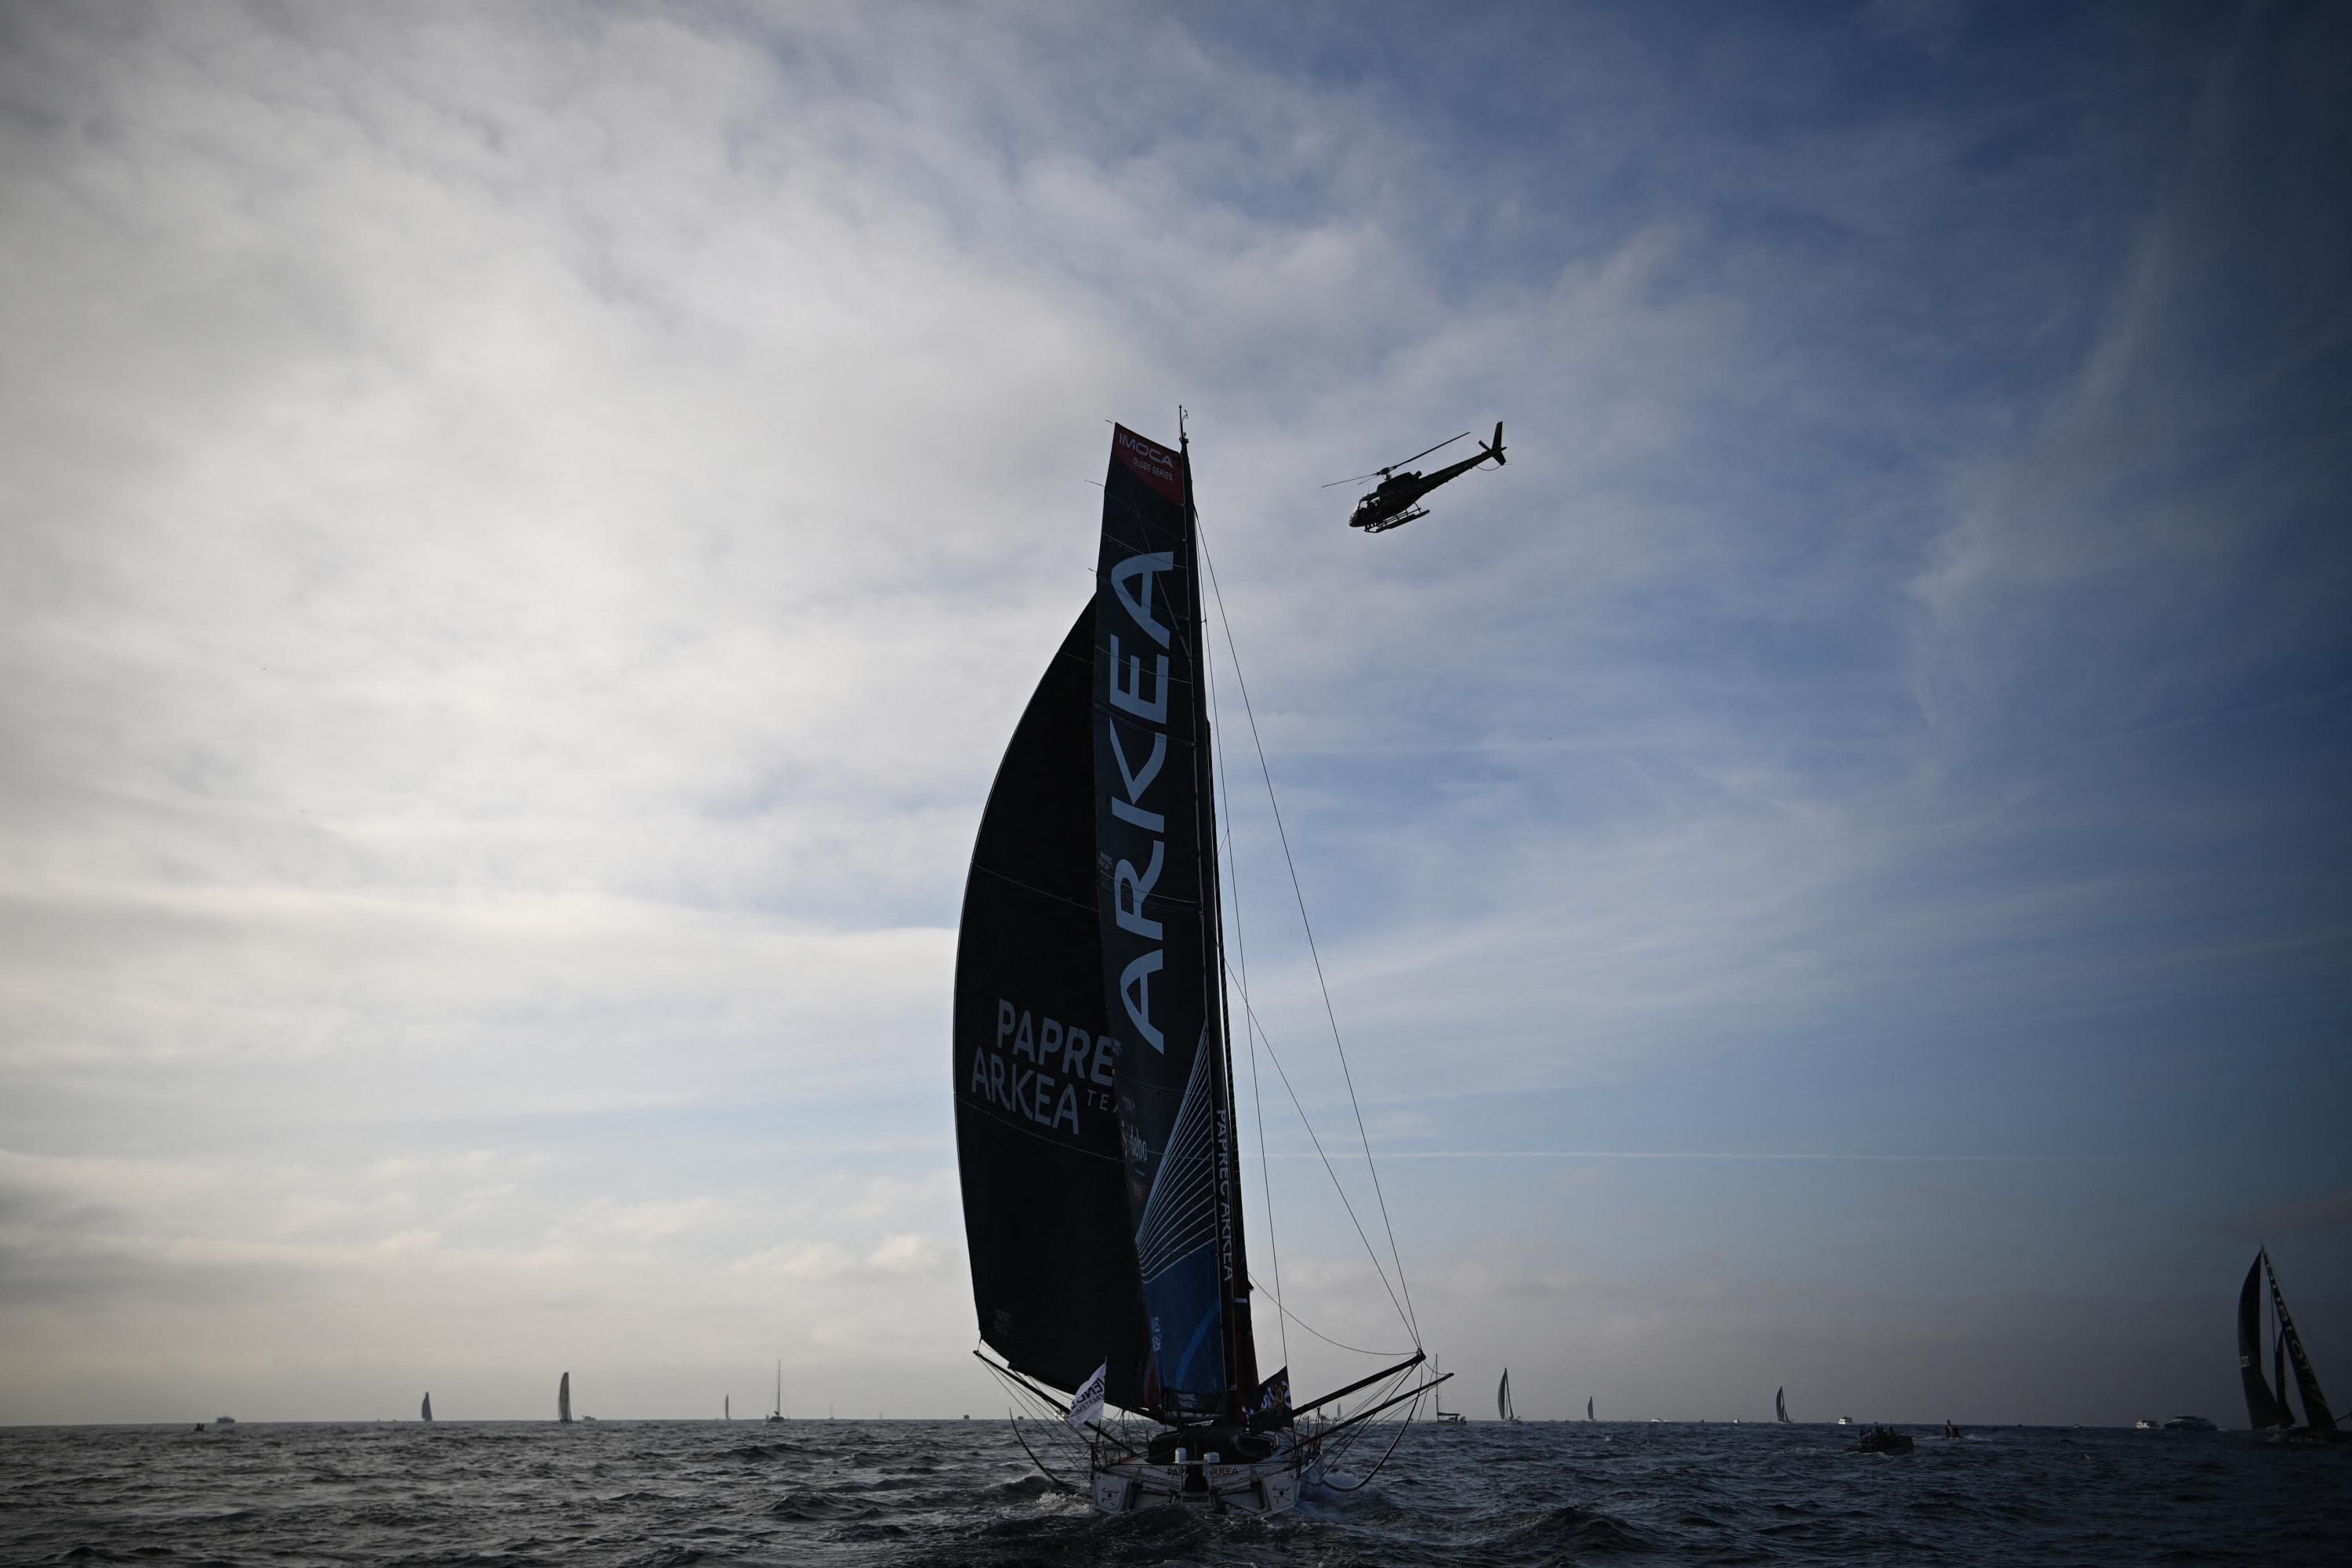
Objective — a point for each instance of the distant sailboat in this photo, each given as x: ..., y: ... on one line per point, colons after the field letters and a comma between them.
x: 2266, y: 1406
x: 428, y: 1415
x: 563, y: 1398
x: 727, y: 1407
x: 778, y: 1413
x: 1588, y: 1407
x: 1503, y: 1409
x: 1445, y: 1418
x: 1781, y: 1406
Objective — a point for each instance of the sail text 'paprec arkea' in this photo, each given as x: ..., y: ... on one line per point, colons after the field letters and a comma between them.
x: 1045, y: 1190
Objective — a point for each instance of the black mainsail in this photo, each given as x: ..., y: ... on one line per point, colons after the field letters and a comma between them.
x: 2264, y: 1408
x: 1780, y: 1404
x: 1037, y: 1136
x: 2315, y: 1414
x: 1094, y: 1090
x: 1157, y: 905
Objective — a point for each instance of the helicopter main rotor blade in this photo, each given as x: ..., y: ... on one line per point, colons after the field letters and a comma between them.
x: 1335, y: 484
x: 1425, y: 451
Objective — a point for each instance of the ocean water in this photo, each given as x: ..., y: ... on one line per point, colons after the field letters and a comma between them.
x: 960, y: 1493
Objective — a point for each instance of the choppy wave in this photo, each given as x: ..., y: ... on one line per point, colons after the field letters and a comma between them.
x: 961, y: 1495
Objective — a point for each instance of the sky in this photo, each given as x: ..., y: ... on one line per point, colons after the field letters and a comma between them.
x: 524, y: 531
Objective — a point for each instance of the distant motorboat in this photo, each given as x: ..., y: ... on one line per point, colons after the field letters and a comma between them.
x: 2147, y: 1423
x: 2189, y: 1423
x: 1845, y: 1420
x: 223, y: 1420
x: 1882, y: 1440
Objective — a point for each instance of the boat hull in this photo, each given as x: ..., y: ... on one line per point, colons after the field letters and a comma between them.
x: 1262, y: 1486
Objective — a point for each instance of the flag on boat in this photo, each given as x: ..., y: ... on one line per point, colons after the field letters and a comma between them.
x: 1086, y: 1404
x: 1270, y: 1406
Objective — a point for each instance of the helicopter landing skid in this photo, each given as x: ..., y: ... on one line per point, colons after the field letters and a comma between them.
x: 1384, y: 524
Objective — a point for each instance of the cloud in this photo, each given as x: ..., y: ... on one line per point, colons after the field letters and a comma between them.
x: 525, y: 535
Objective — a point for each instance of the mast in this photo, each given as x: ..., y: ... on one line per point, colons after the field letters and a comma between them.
x: 1240, y: 1350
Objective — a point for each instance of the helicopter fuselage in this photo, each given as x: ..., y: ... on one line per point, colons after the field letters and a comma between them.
x: 1390, y: 504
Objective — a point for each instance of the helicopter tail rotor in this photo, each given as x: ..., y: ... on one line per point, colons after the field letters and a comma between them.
x: 1496, y: 451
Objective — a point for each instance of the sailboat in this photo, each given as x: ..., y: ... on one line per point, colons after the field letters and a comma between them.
x: 727, y: 1407
x: 1781, y: 1406
x: 1446, y: 1417
x: 563, y: 1398
x: 427, y: 1413
x: 2266, y: 1405
x: 778, y: 1413
x: 1588, y: 1407
x: 1503, y: 1409
x: 1092, y: 1067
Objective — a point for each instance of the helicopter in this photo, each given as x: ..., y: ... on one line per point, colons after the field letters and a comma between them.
x: 1394, y: 501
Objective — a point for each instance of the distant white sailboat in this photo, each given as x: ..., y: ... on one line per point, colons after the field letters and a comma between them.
x: 1445, y: 1418
x: 778, y: 1413
x: 1503, y: 1409
x: 563, y: 1398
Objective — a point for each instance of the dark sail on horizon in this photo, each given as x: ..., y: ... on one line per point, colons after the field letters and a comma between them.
x: 1155, y: 900
x: 2264, y: 1408
x: 1037, y: 1133
x: 2315, y: 1414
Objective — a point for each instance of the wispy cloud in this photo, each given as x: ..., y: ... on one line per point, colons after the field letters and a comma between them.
x: 525, y: 535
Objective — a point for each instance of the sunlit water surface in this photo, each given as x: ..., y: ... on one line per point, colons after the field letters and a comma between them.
x: 960, y: 1492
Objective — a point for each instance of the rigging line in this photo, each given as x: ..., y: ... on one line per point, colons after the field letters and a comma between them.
x: 1335, y: 1345
x: 1412, y: 1324
x: 1249, y: 1031
x: 1249, y: 1011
